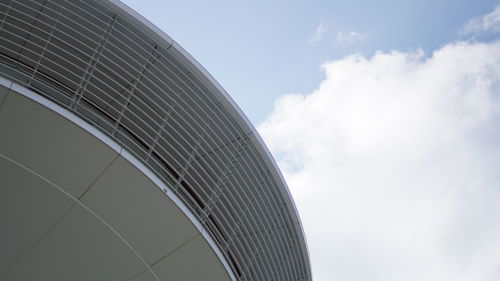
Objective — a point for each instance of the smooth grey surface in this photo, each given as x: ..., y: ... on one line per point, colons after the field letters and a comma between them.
x: 194, y: 261
x: 3, y: 94
x: 139, y: 211
x: 28, y: 207
x: 48, y: 144
x: 146, y: 275
x: 78, y: 247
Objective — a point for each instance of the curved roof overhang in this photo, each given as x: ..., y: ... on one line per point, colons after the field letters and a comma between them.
x: 220, y: 93
x: 75, y: 205
x: 283, y: 251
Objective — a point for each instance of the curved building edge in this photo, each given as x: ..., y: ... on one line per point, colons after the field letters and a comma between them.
x: 121, y: 151
x: 197, y: 69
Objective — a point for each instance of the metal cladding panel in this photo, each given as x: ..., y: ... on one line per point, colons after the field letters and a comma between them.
x: 46, y: 144
x: 136, y: 211
x: 22, y: 227
x: 94, y: 255
x: 109, y: 66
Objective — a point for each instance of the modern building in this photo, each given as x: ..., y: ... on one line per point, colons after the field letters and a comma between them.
x: 121, y: 158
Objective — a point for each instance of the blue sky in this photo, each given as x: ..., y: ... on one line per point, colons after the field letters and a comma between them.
x: 259, y: 50
x: 383, y: 117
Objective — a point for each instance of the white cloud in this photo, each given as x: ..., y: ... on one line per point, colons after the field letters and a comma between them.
x: 320, y: 32
x: 394, y: 165
x: 352, y: 37
x: 483, y: 24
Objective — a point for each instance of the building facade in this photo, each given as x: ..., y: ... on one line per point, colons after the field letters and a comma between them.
x: 121, y: 158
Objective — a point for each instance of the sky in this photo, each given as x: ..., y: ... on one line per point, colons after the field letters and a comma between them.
x: 382, y: 115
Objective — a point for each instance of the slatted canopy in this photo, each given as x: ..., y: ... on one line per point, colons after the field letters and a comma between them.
x: 106, y: 65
